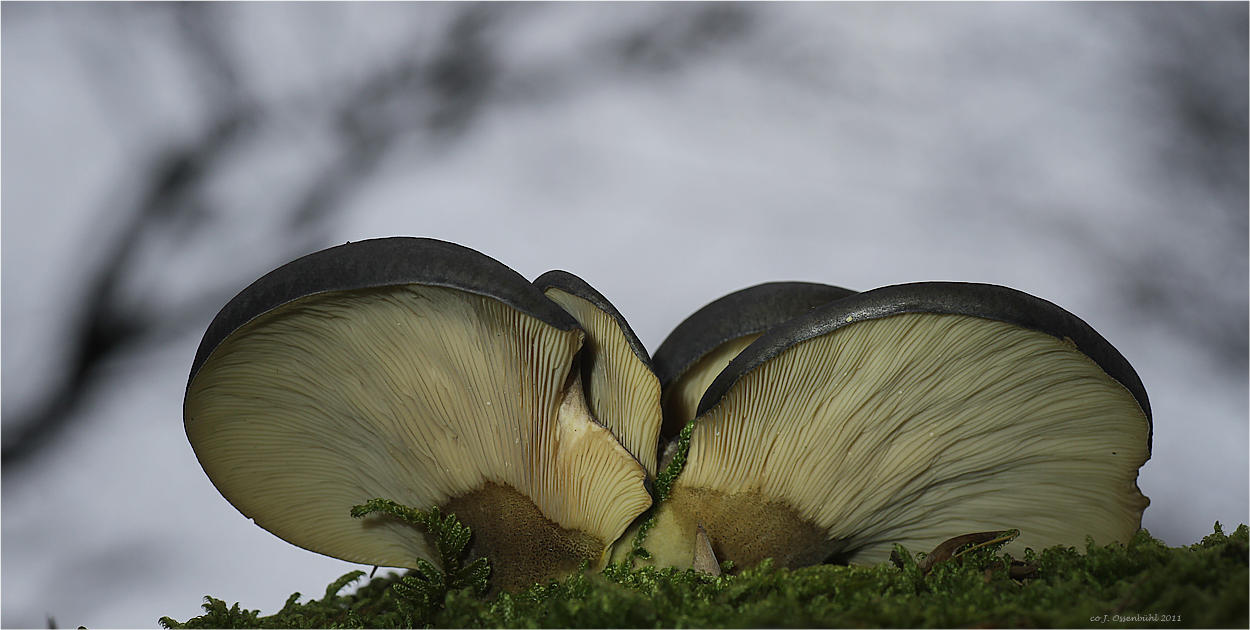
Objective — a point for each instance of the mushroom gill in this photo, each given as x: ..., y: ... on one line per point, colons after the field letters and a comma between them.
x: 624, y: 394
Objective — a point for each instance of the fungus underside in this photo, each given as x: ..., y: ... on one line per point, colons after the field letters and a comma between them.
x: 1141, y: 584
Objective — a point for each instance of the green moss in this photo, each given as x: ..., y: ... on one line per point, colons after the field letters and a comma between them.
x: 1141, y: 584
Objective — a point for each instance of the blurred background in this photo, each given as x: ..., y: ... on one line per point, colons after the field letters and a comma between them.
x: 157, y: 158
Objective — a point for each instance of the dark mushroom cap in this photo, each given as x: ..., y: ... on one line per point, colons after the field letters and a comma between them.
x: 754, y: 309
x: 418, y: 371
x: 986, y: 301
x: 381, y: 262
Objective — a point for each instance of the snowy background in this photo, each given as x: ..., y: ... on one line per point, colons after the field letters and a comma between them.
x: 158, y: 158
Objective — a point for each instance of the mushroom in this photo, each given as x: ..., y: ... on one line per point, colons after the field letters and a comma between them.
x: 826, y: 425
x: 624, y: 391
x: 702, y: 345
x: 419, y: 371
x: 911, y: 414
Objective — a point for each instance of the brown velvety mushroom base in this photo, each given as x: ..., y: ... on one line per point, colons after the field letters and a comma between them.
x: 523, y: 546
x: 749, y: 527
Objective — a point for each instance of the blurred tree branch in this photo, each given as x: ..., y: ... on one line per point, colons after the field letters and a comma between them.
x: 438, y: 96
x: 1201, y: 72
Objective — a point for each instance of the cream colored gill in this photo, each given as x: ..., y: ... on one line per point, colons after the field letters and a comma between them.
x: 915, y: 428
x: 410, y: 393
x: 681, y: 397
x: 624, y: 392
x: 605, y: 483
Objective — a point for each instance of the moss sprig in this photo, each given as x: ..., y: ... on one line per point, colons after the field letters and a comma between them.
x: 420, y: 594
x: 664, y: 481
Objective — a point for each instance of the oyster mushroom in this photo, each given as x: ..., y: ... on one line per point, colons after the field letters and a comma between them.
x: 911, y: 414
x: 418, y: 371
x: 624, y: 392
x: 702, y: 345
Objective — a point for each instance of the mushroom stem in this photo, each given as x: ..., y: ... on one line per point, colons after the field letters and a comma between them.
x: 744, y: 527
x: 522, y: 545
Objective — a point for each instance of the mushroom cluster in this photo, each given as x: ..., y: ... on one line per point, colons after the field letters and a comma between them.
x: 822, y: 425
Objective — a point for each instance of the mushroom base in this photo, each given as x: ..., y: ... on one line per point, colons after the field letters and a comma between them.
x: 522, y: 545
x: 743, y: 527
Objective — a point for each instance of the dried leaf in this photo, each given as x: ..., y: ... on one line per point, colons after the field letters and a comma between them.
x: 954, y: 547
